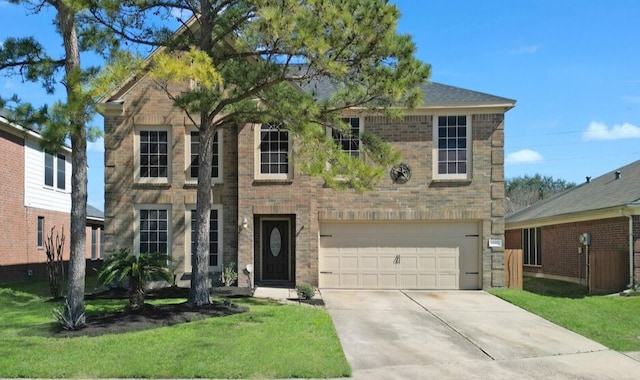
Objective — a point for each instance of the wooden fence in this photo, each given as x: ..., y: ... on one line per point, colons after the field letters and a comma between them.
x: 513, y: 268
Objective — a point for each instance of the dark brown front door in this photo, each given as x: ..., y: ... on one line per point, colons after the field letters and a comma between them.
x: 275, y: 250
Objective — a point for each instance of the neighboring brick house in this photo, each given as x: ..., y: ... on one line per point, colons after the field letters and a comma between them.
x: 431, y: 232
x: 35, y: 196
x: 551, y: 233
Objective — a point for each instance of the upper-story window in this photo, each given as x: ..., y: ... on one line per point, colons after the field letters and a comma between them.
x: 273, y: 151
x: 55, y: 170
x: 194, y: 149
x: 349, y: 141
x: 153, y: 155
x: 452, y: 141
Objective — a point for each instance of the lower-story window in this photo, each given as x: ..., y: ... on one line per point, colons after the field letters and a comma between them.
x: 154, y: 230
x: 40, y: 231
x: 215, y: 237
x: 532, y: 246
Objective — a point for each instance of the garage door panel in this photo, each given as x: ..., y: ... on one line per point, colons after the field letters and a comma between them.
x: 399, y: 256
x: 427, y: 281
x: 449, y: 281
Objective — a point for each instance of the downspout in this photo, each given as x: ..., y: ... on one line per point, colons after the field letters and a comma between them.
x: 631, y: 268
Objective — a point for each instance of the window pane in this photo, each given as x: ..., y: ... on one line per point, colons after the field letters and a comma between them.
x: 274, y: 148
x: 61, y: 172
x: 40, y: 231
x: 154, y: 233
x: 452, y: 145
x: 48, y: 169
x: 154, y: 158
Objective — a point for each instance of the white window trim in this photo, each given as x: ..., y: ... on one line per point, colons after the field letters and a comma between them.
x: 136, y: 154
x: 187, y: 158
x: 136, y: 226
x: 187, y: 238
x: 256, y: 151
x: 434, y: 151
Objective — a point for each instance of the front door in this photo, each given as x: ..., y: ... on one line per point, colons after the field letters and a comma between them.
x: 275, y: 250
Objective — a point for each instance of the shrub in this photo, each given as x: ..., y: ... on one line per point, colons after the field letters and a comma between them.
x: 305, y: 291
x: 229, y: 275
x: 137, y: 271
x: 69, y: 319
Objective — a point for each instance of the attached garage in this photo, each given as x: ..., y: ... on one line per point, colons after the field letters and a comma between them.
x: 389, y: 255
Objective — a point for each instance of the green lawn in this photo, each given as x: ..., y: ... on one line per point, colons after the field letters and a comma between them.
x: 613, y: 321
x: 270, y: 341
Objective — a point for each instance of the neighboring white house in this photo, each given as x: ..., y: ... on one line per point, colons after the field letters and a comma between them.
x: 35, y: 196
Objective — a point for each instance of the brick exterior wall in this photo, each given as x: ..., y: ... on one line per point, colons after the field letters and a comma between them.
x: 302, y: 199
x: 564, y: 257
x: 146, y: 106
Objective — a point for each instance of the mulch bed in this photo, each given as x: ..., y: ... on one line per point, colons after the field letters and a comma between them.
x: 150, y: 316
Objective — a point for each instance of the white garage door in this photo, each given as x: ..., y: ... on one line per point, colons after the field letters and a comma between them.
x: 399, y: 255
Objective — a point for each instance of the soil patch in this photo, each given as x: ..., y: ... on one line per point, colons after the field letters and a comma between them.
x: 150, y: 316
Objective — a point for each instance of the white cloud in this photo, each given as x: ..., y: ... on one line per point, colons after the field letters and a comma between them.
x: 526, y: 49
x: 600, y: 131
x: 96, y: 146
x: 524, y: 156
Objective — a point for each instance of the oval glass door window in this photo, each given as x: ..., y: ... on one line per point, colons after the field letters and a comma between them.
x: 275, y: 242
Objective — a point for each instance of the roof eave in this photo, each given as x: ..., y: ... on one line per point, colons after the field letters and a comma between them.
x: 20, y: 131
x: 582, y: 216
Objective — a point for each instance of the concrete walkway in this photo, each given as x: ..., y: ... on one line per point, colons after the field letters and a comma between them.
x: 462, y: 334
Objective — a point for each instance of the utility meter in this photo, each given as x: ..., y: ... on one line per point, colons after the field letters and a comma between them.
x: 584, y: 238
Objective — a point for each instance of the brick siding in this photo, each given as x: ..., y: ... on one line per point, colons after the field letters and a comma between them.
x: 560, y: 247
x: 304, y: 200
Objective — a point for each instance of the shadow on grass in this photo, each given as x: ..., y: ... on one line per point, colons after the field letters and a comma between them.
x: 554, y: 288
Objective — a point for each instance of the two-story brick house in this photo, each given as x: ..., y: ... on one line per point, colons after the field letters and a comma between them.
x: 35, y: 196
x: 427, y: 226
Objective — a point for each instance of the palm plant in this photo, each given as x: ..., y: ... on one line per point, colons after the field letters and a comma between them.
x: 137, y: 270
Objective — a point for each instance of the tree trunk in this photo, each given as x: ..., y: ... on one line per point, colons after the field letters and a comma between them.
x: 199, y: 292
x: 136, y: 296
x: 77, y: 264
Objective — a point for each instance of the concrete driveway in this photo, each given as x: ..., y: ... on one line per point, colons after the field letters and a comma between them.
x: 461, y: 334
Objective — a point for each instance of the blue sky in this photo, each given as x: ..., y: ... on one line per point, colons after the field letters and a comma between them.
x: 572, y: 65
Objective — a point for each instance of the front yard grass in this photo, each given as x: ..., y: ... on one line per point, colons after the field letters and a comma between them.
x: 272, y: 340
x: 610, y: 320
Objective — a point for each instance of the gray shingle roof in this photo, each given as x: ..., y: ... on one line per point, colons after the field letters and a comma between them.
x: 94, y: 213
x: 601, y: 193
x: 436, y: 93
